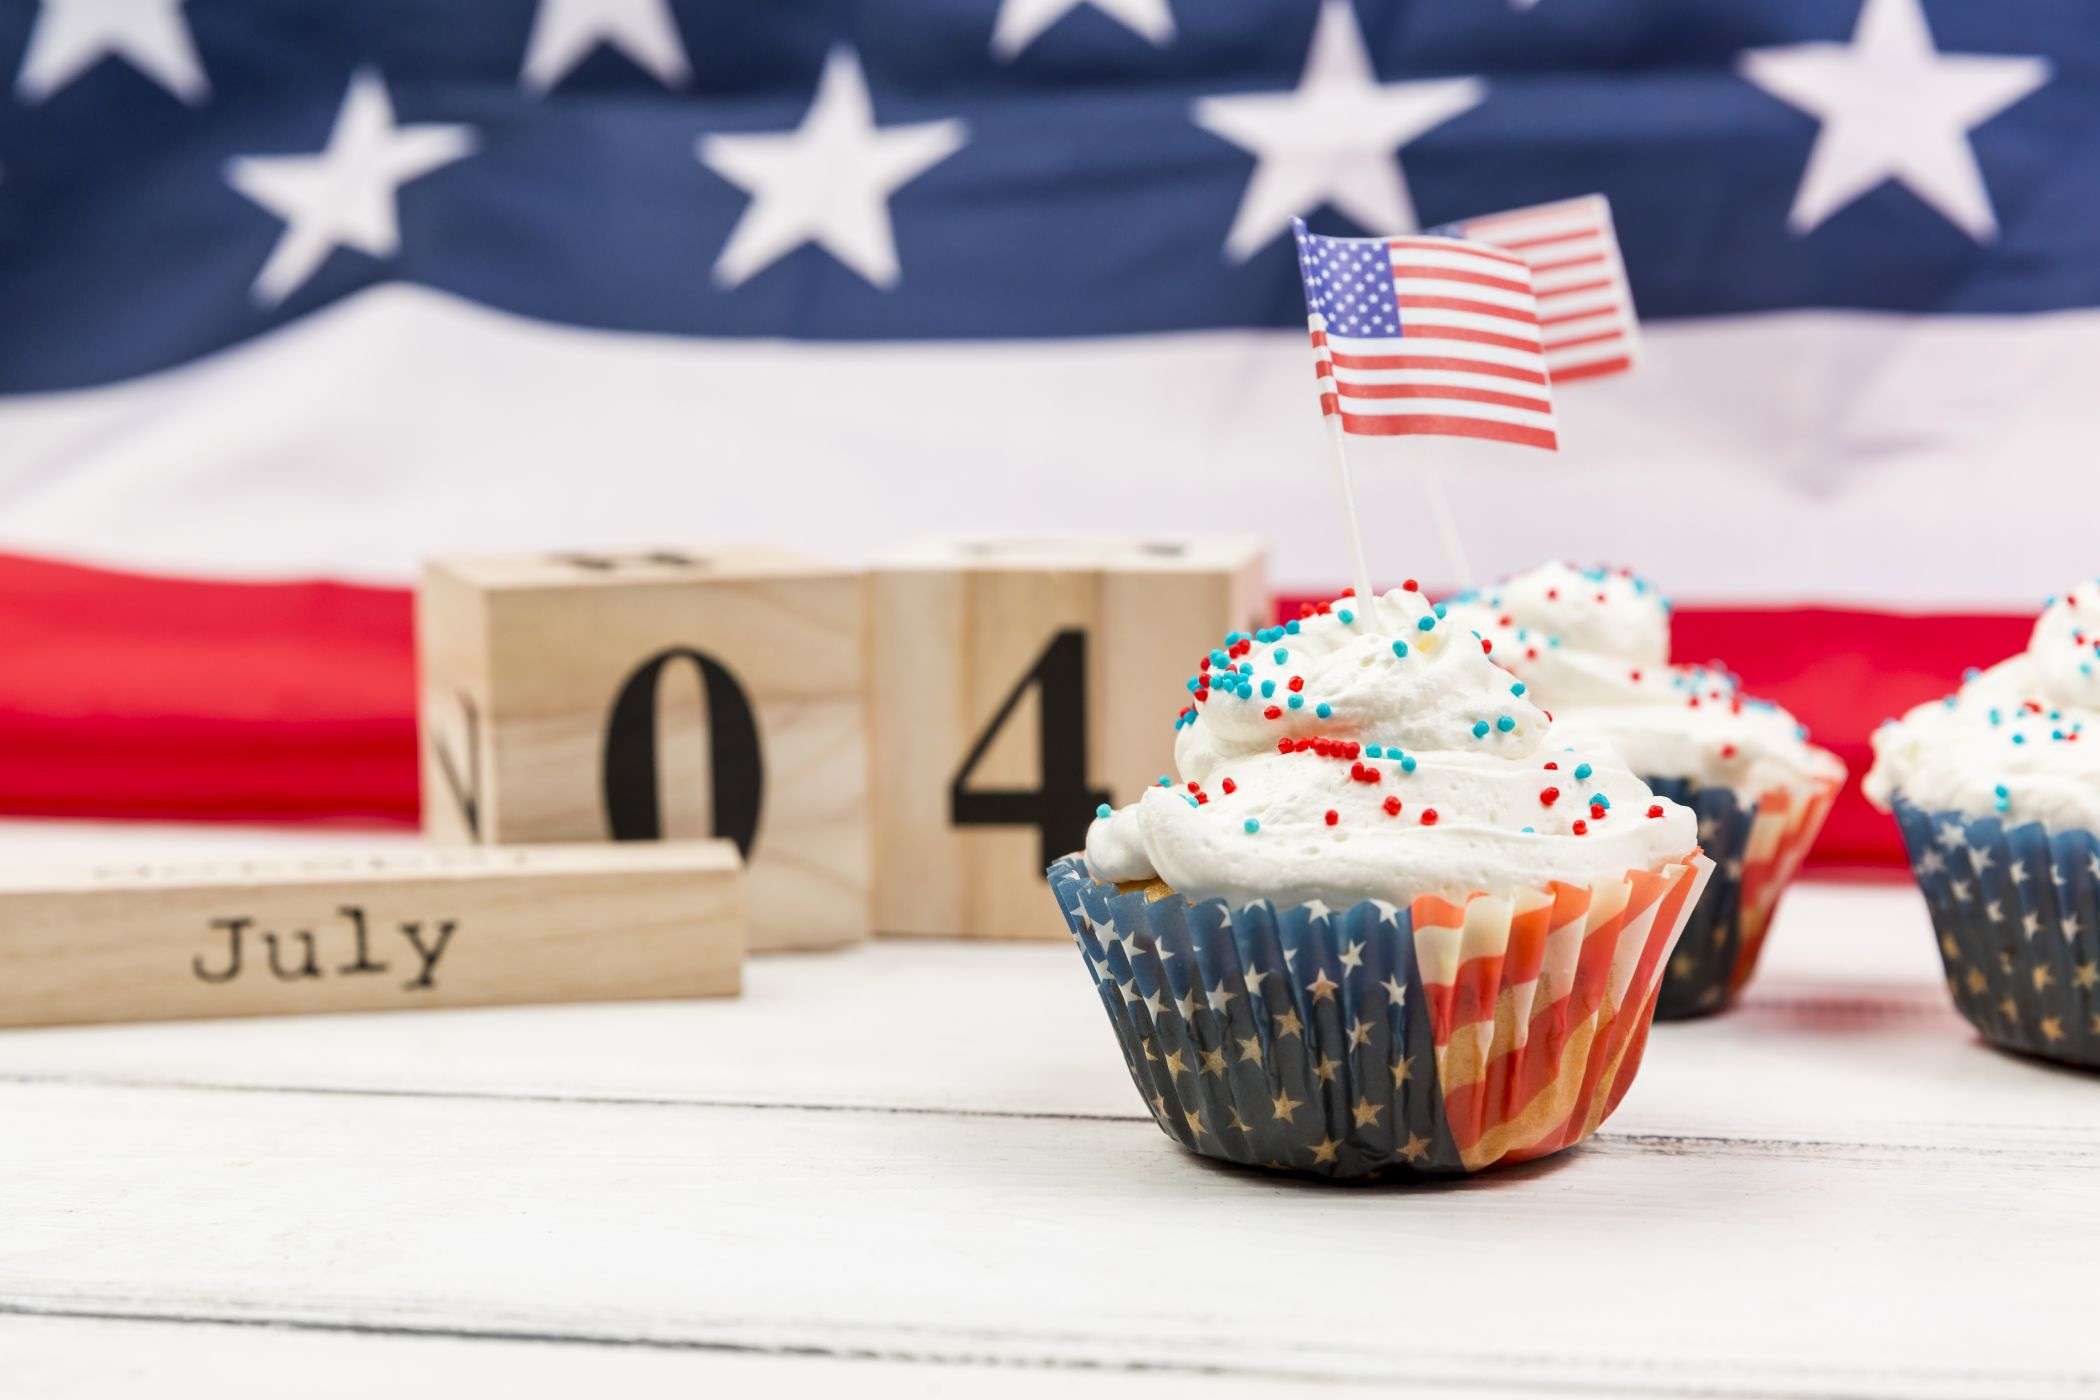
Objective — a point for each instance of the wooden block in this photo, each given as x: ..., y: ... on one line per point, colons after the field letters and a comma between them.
x: 463, y: 927
x: 1017, y: 686
x: 664, y: 695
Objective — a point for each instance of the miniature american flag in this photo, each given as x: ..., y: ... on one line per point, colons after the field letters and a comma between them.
x: 1585, y: 302
x: 1426, y: 335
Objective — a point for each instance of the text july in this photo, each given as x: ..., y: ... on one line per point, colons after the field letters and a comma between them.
x: 296, y: 956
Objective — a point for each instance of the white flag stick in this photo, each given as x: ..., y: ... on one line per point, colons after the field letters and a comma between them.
x: 1446, y: 526
x: 1356, y: 529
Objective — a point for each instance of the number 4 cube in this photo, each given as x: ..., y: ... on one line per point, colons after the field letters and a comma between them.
x: 1017, y: 686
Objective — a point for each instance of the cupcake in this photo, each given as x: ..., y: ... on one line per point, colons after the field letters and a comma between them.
x: 1357, y: 936
x: 1997, y: 790
x: 1593, y: 646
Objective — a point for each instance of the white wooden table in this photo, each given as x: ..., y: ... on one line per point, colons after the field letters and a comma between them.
x: 920, y: 1168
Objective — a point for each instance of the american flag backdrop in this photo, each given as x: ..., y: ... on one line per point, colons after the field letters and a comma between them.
x: 312, y: 290
x: 1585, y: 302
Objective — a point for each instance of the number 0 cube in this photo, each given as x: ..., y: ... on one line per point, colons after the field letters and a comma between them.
x: 665, y: 694
x: 1018, y: 685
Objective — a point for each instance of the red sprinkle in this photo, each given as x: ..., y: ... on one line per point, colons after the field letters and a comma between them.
x: 1273, y: 712
x: 1486, y: 645
x: 1392, y: 806
x: 1656, y: 810
x: 1728, y: 751
x: 1333, y: 816
x: 1636, y: 674
x: 1548, y: 796
x: 1555, y: 767
x: 1582, y: 828
x: 1230, y: 787
x: 1282, y: 745
x: 1349, y: 592
x: 1297, y: 682
x: 1429, y: 816
x: 1553, y: 595
x: 1597, y: 811
x: 1411, y: 586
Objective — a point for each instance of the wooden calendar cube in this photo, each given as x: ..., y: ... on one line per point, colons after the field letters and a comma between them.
x: 1017, y: 686
x: 661, y: 695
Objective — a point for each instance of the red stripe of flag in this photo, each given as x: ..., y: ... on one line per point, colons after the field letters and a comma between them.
x: 1574, y: 341
x: 1446, y: 362
x: 1439, y: 424
x: 1471, y: 279
x: 1593, y: 369
x: 1440, y: 391
x: 1478, y: 308
x: 1542, y: 241
x: 1471, y: 337
x: 1449, y: 245
x: 1584, y: 261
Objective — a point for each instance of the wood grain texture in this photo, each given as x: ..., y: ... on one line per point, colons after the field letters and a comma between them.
x: 524, y: 662
x: 153, y: 940
x: 922, y: 1161
x: 957, y: 625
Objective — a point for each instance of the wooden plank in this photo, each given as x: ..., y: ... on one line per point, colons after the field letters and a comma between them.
x: 717, y: 692
x: 1781, y: 1268
x: 1065, y: 659
x: 156, y: 940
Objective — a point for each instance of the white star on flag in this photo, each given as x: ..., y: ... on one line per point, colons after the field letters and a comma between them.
x: 1022, y: 22
x: 72, y: 36
x: 1334, y: 140
x: 1894, y: 108
x: 827, y: 182
x: 565, y: 31
x: 343, y: 197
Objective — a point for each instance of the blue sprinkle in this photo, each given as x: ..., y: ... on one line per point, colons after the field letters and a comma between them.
x: 1407, y: 764
x: 1290, y: 628
x: 1800, y: 731
x: 1505, y: 723
x: 1552, y: 641
x: 1582, y: 772
x: 1601, y: 800
x: 1103, y: 811
x: 1279, y: 656
x: 1996, y: 718
x: 1188, y: 799
x: 1233, y: 639
x: 1373, y: 751
x: 1425, y: 623
x: 1480, y: 728
x: 1323, y: 709
x: 1346, y: 616
x: 1268, y: 688
x: 2019, y: 738
x: 1439, y: 609
x: 1195, y: 684
x: 1250, y: 826
x: 1517, y: 689
x: 1219, y: 658
x: 1296, y: 702
x: 1245, y: 692
x: 1165, y: 781
x: 1399, y: 648
x: 1529, y: 830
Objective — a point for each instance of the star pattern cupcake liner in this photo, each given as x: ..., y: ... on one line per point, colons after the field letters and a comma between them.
x: 1440, y: 1039
x: 2017, y: 913
x: 1757, y: 850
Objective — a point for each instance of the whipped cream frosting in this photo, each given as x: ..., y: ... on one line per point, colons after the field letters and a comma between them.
x: 1372, y: 750
x: 2020, y: 740
x: 1594, y: 645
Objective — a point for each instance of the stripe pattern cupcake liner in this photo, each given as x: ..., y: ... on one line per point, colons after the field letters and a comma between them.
x: 2017, y: 913
x: 1435, y: 1040
x: 1757, y: 850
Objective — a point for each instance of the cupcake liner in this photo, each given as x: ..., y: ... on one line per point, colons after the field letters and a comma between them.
x: 1435, y: 1040
x: 2019, y: 931
x: 1757, y: 850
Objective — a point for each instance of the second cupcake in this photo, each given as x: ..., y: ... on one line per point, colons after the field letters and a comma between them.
x: 1593, y: 646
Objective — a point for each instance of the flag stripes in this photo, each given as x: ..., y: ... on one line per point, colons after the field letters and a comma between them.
x: 1572, y: 249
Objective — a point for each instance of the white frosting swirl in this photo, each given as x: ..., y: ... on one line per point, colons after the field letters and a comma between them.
x: 1361, y: 754
x: 1594, y: 644
x: 2021, y: 740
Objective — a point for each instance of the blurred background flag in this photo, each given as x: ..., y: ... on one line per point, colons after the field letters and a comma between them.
x: 315, y: 290
x: 1585, y: 302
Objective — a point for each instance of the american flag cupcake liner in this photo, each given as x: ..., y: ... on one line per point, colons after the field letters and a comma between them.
x: 1435, y: 1040
x: 2017, y: 913
x: 1757, y: 849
